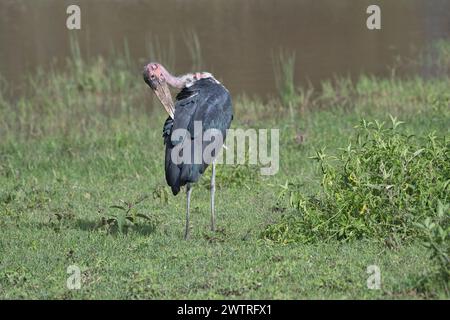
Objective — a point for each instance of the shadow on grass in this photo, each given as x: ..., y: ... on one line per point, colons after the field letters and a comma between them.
x: 89, y: 225
x: 144, y: 229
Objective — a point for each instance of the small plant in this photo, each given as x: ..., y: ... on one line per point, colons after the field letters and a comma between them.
x: 125, y: 218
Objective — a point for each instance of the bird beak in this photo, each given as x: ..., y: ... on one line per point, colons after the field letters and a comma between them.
x: 162, y: 91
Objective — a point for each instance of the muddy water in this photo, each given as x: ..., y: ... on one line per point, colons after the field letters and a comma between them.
x: 237, y: 37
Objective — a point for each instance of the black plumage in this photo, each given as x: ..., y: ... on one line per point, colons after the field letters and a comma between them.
x: 206, y: 101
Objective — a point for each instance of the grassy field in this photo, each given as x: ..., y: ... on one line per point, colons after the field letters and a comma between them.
x: 80, y: 144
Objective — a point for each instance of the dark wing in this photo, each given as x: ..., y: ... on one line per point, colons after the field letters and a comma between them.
x: 205, y: 101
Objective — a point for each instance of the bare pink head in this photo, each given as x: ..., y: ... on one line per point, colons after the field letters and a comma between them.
x: 158, y: 79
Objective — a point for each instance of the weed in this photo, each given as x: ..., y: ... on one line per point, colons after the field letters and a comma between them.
x: 126, y: 217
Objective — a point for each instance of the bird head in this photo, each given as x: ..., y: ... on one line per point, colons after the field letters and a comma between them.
x: 155, y: 77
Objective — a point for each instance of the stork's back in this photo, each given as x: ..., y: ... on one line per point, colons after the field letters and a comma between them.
x: 207, y: 101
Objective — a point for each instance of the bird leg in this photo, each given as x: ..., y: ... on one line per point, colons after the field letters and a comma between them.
x: 188, y: 206
x: 213, y: 191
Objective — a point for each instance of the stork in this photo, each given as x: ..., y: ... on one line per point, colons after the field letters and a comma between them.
x: 201, y: 99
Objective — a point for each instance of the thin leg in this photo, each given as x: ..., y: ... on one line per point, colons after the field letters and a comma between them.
x: 188, y: 206
x: 213, y: 191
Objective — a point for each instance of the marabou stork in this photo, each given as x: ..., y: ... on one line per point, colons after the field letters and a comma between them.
x: 202, y: 98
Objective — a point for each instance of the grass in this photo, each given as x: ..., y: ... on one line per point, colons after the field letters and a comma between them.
x: 82, y: 183
x: 284, y: 72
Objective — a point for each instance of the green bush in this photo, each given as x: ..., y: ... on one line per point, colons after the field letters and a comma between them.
x: 380, y: 186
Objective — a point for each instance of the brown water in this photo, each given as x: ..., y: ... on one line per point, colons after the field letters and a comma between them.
x: 237, y: 36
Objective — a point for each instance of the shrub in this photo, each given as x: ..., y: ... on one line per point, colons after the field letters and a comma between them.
x: 380, y: 186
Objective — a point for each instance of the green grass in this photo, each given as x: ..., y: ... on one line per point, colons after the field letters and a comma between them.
x: 84, y: 142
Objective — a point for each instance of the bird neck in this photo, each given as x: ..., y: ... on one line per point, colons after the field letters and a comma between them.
x: 173, y: 81
x: 183, y: 81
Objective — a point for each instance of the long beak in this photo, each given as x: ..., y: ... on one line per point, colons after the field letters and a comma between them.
x: 163, y: 93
